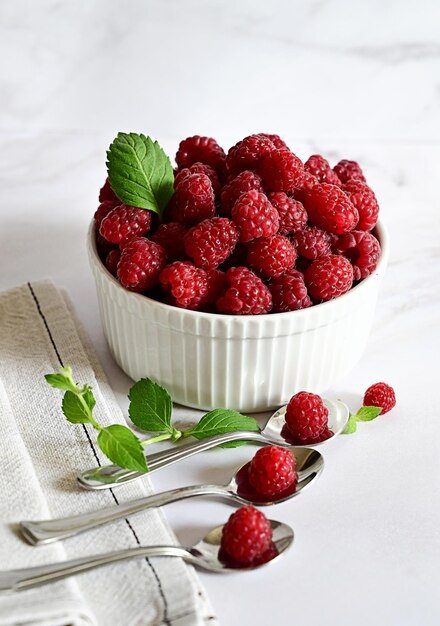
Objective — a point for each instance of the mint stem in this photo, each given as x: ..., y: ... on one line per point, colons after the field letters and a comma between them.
x: 163, y: 437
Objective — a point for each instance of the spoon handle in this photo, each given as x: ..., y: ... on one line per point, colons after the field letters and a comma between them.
x: 48, y: 531
x: 108, y: 476
x: 21, y: 579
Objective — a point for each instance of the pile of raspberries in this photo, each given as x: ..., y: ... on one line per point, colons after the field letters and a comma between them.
x: 249, y: 232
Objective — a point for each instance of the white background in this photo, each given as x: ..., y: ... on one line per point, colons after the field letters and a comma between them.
x: 349, y: 79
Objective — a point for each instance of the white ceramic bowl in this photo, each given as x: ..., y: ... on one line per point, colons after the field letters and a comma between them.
x: 249, y: 363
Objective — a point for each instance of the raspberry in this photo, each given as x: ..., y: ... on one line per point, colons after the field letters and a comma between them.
x: 193, y: 200
x: 272, y: 470
x: 103, y: 210
x: 255, y: 216
x: 293, y: 215
x: 201, y: 150
x: 363, y: 198
x: 247, y: 153
x: 112, y: 261
x: 276, y: 140
x: 271, y: 256
x: 216, y: 285
x: 106, y: 193
x: 312, y: 242
x: 320, y: 168
x: 329, y: 208
x: 348, y: 170
x: 380, y: 394
x: 170, y: 237
x: 329, y: 277
x: 124, y: 223
x: 245, y: 181
x: 289, y: 292
x: 141, y: 262
x: 199, y: 168
x: 246, y: 535
x: 246, y: 294
x: 103, y: 247
x: 362, y: 250
x: 281, y: 170
x: 211, y: 242
x: 306, y: 415
x: 186, y: 284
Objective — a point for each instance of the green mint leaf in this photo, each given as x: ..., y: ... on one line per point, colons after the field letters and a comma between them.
x: 62, y: 380
x: 368, y: 413
x: 75, y: 410
x: 150, y: 406
x: 221, y: 421
x: 89, y: 398
x: 140, y: 172
x: 351, y: 426
x: 236, y: 444
x: 122, y: 447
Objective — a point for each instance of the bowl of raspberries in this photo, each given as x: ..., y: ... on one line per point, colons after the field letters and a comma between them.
x: 259, y: 278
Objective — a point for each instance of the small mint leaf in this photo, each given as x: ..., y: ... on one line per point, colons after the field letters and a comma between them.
x: 368, y: 413
x: 122, y: 447
x: 221, y: 421
x: 140, y: 172
x: 89, y: 398
x: 75, y: 410
x: 351, y: 426
x: 150, y: 406
x: 63, y: 380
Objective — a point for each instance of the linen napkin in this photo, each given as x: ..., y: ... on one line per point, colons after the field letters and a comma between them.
x: 40, y: 456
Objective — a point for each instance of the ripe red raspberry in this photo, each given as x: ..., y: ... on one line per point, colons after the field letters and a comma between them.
x: 281, y: 170
x: 363, y: 198
x: 247, y: 153
x: 112, y: 261
x: 245, y: 181
x: 293, y: 215
x: 103, y: 210
x: 170, y: 237
x: 320, y: 168
x: 124, y: 223
x: 193, y: 200
x: 216, y: 285
x: 276, y: 140
x: 312, y: 242
x: 272, y: 470
x: 211, y: 242
x: 380, y: 394
x: 255, y: 216
x: 329, y: 277
x: 247, y: 535
x: 199, y: 168
x: 329, y: 208
x: 306, y: 415
x: 271, y: 256
x: 246, y: 294
x: 362, y: 250
x: 309, y: 181
x: 349, y: 170
x: 289, y: 292
x: 201, y: 150
x: 106, y: 193
x: 103, y: 247
x: 140, y: 264
x: 185, y: 284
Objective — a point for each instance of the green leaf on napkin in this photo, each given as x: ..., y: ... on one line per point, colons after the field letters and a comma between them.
x: 221, y: 421
x: 78, y: 409
x: 122, y: 447
x: 140, y: 172
x: 63, y: 380
x: 150, y: 406
x: 351, y: 426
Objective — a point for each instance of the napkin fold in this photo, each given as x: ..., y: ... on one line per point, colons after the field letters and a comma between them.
x: 40, y: 457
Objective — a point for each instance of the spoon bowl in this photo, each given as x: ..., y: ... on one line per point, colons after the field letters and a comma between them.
x: 274, y: 433
x: 206, y: 554
x: 309, y: 465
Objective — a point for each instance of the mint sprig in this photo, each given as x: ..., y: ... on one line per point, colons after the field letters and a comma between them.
x: 140, y: 172
x: 365, y: 414
x: 150, y: 410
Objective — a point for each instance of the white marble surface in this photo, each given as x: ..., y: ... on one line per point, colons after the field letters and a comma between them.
x: 359, y: 80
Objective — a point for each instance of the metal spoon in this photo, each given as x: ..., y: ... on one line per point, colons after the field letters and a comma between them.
x: 205, y: 554
x: 274, y: 433
x: 309, y: 465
